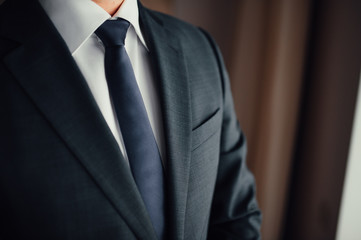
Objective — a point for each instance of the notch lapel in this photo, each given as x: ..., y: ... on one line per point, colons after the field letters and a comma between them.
x: 46, y: 71
x: 171, y: 73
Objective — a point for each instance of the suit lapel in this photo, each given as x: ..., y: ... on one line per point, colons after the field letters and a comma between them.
x: 171, y: 74
x: 47, y: 72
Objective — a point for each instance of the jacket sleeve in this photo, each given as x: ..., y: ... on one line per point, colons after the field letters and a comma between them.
x: 234, y: 213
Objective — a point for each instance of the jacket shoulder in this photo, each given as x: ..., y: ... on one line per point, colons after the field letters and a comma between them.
x: 185, y: 32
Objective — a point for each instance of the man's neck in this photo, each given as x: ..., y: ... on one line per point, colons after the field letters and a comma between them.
x: 111, y: 6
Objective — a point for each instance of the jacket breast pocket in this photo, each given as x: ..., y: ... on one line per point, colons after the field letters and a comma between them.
x: 207, y: 129
x: 203, y: 171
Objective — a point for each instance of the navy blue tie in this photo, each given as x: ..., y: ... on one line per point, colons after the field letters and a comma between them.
x: 139, y: 141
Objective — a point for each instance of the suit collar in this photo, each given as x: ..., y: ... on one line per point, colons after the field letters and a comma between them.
x: 45, y: 69
x: 171, y: 71
x: 77, y: 20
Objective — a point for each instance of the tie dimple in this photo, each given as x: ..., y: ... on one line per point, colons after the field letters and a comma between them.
x: 113, y: 32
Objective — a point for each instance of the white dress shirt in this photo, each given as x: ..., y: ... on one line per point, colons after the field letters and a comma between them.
x: 76, y: 21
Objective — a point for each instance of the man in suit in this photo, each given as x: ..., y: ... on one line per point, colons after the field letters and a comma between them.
x: 65, y: 170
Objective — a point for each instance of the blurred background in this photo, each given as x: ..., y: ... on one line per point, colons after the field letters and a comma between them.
x: 294, y: 67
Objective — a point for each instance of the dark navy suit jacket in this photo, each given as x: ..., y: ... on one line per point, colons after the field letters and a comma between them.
x: 62, y: 175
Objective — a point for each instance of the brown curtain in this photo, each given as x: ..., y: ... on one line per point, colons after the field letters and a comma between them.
x: 330, y: 90
x: 277, y: 80
x: 294, y: 68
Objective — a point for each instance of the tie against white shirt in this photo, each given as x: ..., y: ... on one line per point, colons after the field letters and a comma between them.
x: 76, y: 22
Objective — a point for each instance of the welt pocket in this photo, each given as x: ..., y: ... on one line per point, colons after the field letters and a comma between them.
x: 207, y: 129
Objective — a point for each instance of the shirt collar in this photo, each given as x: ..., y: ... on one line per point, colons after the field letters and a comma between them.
x: 77, y: 20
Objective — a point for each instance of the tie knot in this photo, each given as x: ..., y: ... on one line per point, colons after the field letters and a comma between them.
x: 113, y: 32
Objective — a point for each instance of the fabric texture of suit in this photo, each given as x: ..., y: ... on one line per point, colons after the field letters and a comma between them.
x: 62, y: 175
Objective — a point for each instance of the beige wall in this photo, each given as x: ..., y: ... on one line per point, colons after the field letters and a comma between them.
x: 350, y: 214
